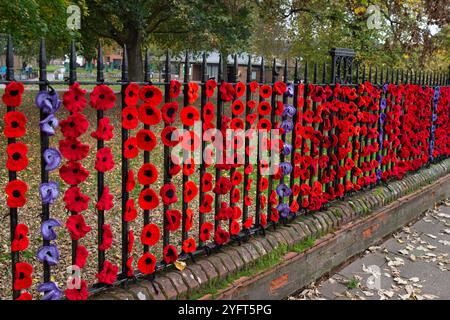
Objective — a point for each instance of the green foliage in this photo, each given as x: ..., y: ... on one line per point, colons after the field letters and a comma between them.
x: 352, y: 284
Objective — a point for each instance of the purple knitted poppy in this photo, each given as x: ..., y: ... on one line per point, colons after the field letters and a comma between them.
x: 286, y: 168
x: 284, y: 210
x: 378, y: 173
x: 49, y: 253
x: 287, y: 149
x: 385, y: 87
x: 382, y: 118
x: 290, y: 90
x: 49, y: 192
x: 47, y: 229
x: 50, y: 290
x: 287, y: 126
x: 49, y: 124
x: 383, y: 104
x: 52, y: 159
x: 48, y: 101
x: 283, y: 190
x: 289, y: 110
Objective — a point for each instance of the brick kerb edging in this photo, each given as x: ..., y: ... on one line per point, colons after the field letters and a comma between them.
x: 340, y: 219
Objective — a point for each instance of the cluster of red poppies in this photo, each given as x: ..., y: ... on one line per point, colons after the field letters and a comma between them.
x: 442, y: 123
x: 73, y: 174
x: 15, y: 127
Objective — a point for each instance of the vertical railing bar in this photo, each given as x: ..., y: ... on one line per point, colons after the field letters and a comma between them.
x: 184, y: 204
x: 258, y: 171
x: 147, y: 73
x: 167, y: 177
x: 283, y: 136
x: 363, y: 74
x: 248, y: 97
x: 219, y: 156
x: 293, y: 135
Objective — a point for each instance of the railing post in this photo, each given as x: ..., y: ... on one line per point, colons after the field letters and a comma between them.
x: 339, y: 57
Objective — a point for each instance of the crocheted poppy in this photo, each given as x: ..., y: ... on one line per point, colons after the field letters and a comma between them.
x: 189, y: 219
x: 234, y: 228
x: 81, y: 256
x: 73, y: 150
x: 190, y: 191
x: 264, y: 108
x: 16, y: 193
x: 52, y: 158
x: 170, y: 254
x: 150, y: 234
x: 73, y: 173
x: 20, y: 241
x: 206, y: 205
x: 221, y: 236
x: 236, y: 178
x: 264, y: 124
x: 74, y: 126
x: 104, y: 130
x: 50, y: 291
x: 190, y: 141
x: 147, y: 174
x: 130, y: 211
x: 240, y: 89
x: 13, y: 94
x: 74, y: 99
x: 151, y: 95
x: 130, y: 118
x: 146, y: 140
x: 149, y: 114
x: 75, y: 200
x: 106, y: 200
x: 49, y: 191
x: 132, y: 94
x: 49, y: 125
x: 130, y: 148
x: 102, y: 97
x: 206, y: 182
x: 237, y: 124
x: 279, y: 88
x: 80, y: 293
x: 147, y: 263
x: 210, y: 86
x: 172, y: 219
x: 189, y: 167
x: 15, y: 122
x: 235, y: 196
x: 131, y: 182
x: 170, y: 136
x: 253, y: 86
x: 192, y: 92
x: 205, y: 231
x: 77, y: 227
x: 168, y: 193
x: 189, y: 115
x: 17, y: 156
x: 223, y: 186
x: 49, y: 254
x: 189, y: 245
x: 107, y: 238
x: 174, y: 89
x: 237, y: 107
x: 48, y: 101
x: 148, y: 199
x: 25, y: 296
x: 169, y: 112
x: 265, y: 91
x: 104, y: 160
x: 227, y: 91
x: 22, y: 276
x: 208, y: 112
x: 108, y: 274
x: 248, y: 223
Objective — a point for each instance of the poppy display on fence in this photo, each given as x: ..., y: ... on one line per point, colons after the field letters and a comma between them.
x: 333, y: 140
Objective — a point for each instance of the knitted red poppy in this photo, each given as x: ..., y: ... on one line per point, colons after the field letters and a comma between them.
x: 147, y: 263
x: 146, y: 140
x: 279, y: 88
x: 168, y: 193
x: 74, y: 126
x: 248, y: 223
x: 237, y: 107
x: 170, y: 136
x: 148, y: 199
x: 15, y: 122
x: 102, y: 97
x: 151, y: 95
x: 237, y: 124
x: 132, y: 94
x: 235, y: 196
x: 16, y: 193
x: 206, y: 205
x: 150, y: 234
x: 129, y: 267
x: 17, y: 156
x: 221, y: 236
x: 130, y: 118
x: 234, y: 227
x: 250, y: 118
x: 80, y: 293
x: 236, y: 178
x: 170, y: 254
x: 169, y: 112
x: 104, y: 130
x: 264, y: 108
x: 22, y: 276
x: 74, y: 99
x: 147, y: 174
x: 130, y: 211
x: 227, y: 91
x: 77, y: 227
x: 189, y: 245
x: 108, y: 275
x: 130, y: 241
x: 189, y: 219
x: 192, y: 92
x: 81, y: 256
x: 149, y: 114
x: 189, y: 167
x: 172, y: 219
x: 208, y: 112
x: 107, y: 238
x: 190, y: 141
x: 210, y: 86
x: 253, y: 86
x: 263, y: 219
x: 104, y: 160
x: 13, y: 94
x: 130, y: 149
x: 106, y: 201
x: 206, y: 182
x: 265, y: 91
x: 190, y: 191
x: 73, y: 150
x: 174, y: 169
x: 73, y: 173
x: 264, y: 124
x: 20, y: 240
x: 240, y: 89
x: 205, y: 231
x: 223, y: 186
x: 189, y: 115
x: 174, y: 89
x: 131, y: 182
x: 75, y: 200
x: 25, y: 296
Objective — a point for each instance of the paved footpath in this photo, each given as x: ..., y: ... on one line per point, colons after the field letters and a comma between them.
x: 412, y: 264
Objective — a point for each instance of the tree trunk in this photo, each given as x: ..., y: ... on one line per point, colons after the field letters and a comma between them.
x: 135, y: 62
